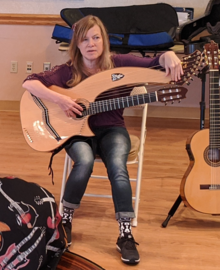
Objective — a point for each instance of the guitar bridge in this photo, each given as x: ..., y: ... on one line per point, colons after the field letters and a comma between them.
x: 210, y: 187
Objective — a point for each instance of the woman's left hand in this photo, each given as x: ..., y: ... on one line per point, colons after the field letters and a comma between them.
x: 172, y: 65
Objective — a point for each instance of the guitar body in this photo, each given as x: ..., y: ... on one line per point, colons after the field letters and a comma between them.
x: 199, y: 188
x: 35, y: 127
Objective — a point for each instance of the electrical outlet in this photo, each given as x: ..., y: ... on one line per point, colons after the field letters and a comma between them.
x: 14, y: 66
x: 29, y: 67
x: 47, y: 66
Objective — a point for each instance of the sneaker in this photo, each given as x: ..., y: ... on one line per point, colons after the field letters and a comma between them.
x: 127, y: 247
x: 68, y: 229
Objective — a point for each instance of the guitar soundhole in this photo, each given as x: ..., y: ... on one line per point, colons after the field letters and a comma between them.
x: 212, y: 156
x: 84, y: 109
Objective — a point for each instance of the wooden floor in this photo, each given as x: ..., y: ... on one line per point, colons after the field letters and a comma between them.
x: 191, y: 239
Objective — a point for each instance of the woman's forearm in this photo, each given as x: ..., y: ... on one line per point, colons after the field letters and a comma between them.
x: 36, y: 88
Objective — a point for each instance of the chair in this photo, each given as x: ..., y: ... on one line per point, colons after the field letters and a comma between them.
x: 135, y: 157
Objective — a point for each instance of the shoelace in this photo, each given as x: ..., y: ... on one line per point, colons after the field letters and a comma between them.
x: 130, y: 243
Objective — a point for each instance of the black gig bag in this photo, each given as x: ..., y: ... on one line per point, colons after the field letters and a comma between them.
x: 137, y: 27
x: 31, y: 233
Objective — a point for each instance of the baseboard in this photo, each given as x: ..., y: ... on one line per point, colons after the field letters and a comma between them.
x: 153, y: 111
x: 168, y: 112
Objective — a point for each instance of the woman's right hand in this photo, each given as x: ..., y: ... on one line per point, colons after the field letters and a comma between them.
x: 69, y: 106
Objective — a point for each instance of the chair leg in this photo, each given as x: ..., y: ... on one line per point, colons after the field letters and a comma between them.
x: 137, y: 194
x: 140, y: 167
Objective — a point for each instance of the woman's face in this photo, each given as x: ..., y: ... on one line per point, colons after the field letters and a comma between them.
x: 91, y: 47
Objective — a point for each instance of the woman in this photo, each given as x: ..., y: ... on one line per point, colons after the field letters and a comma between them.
x: 89, y: 54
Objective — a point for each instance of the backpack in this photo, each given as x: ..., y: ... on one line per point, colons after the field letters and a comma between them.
x: 31, y: 232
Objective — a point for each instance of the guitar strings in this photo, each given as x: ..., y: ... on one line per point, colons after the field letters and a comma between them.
x: 120, y: 91
x: 187, y: 67
x: 214, y: 120
x: 126, y: 90
x: 123, y: 99
x: 214, y: 151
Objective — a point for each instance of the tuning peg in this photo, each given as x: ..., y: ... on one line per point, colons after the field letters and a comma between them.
x: 179, y: 100
x: 172, y: 102
x: 165, y: 103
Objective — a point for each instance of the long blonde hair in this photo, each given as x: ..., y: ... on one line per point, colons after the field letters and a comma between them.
x: 80, y: 30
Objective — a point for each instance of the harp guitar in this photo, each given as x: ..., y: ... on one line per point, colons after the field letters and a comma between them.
x: 46, y: 127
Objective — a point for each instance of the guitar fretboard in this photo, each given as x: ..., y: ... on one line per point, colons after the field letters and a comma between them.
x: 214, y: 109
x: 119, y: 103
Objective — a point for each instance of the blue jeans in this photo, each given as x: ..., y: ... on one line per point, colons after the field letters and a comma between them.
x: 113, y: 145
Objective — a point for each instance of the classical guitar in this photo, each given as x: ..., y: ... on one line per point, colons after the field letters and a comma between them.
x: 46, y: 127
x: 200, y: 186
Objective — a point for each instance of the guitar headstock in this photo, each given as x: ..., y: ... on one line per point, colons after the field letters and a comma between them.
x: 212, y: 55
x: 171, y: 94
x: 192, y: 64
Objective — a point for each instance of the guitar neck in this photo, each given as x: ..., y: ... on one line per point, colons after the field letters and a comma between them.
x: 214, y: 109
x: 119, y: 103
x: 12, y: 202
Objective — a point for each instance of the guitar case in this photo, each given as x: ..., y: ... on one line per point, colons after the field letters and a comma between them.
x: 137, y: 27
x: 209, y: 23
x: 31, y: 233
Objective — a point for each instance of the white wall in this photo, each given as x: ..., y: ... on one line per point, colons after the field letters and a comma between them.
x: 33, y: 43
x: 25, y: 43
x: 54, y: 6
